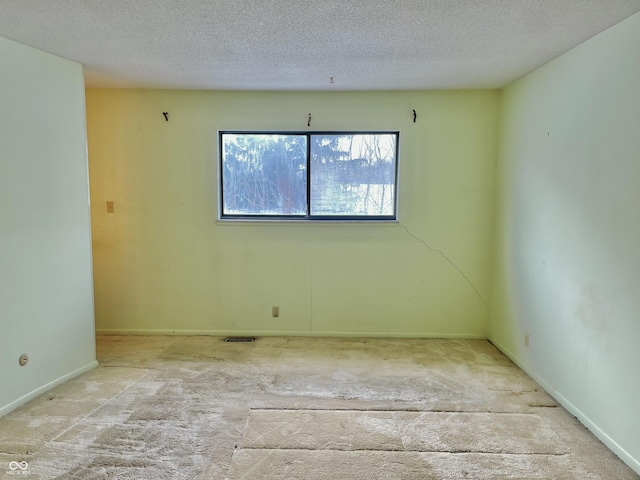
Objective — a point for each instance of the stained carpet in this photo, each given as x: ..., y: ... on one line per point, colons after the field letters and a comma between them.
x: 300, y: 408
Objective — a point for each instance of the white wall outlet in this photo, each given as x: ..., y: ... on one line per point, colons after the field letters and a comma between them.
x: 526, y: 340
x: 275, y: 311
x: 23, y: 360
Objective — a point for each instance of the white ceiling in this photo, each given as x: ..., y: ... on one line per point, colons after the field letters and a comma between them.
x: 300, y: 44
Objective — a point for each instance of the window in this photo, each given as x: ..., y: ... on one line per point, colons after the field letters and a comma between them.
x: 308, y: 176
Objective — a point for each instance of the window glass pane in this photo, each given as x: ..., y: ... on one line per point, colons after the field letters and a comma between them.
x: 353, y: 174
x: 264, y: 174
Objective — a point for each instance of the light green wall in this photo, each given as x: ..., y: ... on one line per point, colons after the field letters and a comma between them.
x: 46, y: 301
x: 567, y: 267
x: 163, y: 264
x: 565, y: 270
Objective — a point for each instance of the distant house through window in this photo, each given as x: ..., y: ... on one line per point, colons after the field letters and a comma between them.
x: 308, y: 176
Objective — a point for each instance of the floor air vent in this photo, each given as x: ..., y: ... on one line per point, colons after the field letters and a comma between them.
x: 240, y: 339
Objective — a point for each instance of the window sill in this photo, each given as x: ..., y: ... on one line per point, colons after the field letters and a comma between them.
x: 241, y: 222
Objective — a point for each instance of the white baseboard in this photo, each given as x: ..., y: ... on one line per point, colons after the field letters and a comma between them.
x: 39, y: 391
x: 282, y: 333
x: 575, y: 411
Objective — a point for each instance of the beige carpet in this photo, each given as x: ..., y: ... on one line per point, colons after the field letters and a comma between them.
x: 300, y: 408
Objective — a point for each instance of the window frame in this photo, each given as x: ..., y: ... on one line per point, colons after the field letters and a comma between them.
x: 308, y: 216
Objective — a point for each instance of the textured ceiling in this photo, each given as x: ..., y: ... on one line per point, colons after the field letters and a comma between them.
x: 300, y: 44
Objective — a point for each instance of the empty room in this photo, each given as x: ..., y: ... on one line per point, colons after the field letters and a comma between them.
x: 319, y: 240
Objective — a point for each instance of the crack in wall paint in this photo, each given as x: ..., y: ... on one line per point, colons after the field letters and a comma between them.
x: 448, y: 260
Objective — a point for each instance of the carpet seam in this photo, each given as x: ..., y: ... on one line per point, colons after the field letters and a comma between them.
x: 394, y: 410
x: 461, y: 452
x: 98, y: 408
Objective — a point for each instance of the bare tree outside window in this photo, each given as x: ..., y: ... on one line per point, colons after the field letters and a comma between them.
x: 308, y: 175
x: 264, y: 174
x: 353, y: 174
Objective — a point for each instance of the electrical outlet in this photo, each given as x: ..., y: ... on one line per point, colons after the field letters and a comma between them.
x: 275, y: 311
x: 110, y: 206
x: 526, y: 340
